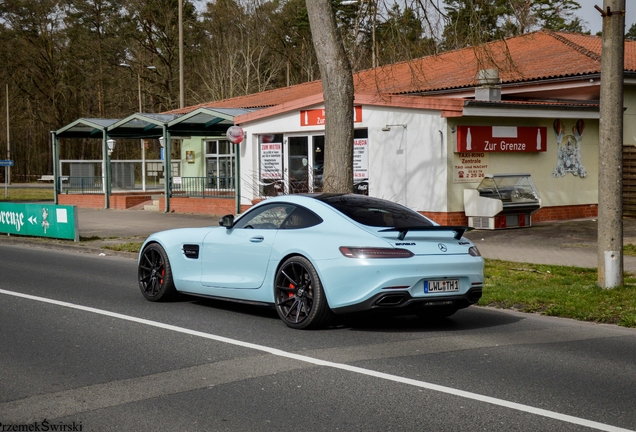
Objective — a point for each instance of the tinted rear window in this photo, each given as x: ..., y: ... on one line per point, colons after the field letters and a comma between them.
x: 375, y: 212
x: 301, y: 218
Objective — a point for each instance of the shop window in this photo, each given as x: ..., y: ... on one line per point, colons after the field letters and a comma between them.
x: 220, y: 164
x: 297, y: 165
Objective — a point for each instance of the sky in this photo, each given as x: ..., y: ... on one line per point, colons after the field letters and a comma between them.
x: 593, y: 19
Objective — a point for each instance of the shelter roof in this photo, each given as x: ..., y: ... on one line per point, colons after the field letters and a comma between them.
x: 86, y: 128
x: 205, y: 121
x: 141, y: 125
x: 200, y: 122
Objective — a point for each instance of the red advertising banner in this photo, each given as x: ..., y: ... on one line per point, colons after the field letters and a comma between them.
x: 504, y: 139
x: 316, y: 117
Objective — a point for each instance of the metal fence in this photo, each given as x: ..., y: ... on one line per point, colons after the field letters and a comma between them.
x: 200, y: 187
x: 203, y: 187
x: 82, y: 185
x: 126, y: 174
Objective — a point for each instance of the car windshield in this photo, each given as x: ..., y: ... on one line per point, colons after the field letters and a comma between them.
x: 375, y: 212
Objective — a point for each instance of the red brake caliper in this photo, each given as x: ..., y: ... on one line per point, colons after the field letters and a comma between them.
x: 291, y: 294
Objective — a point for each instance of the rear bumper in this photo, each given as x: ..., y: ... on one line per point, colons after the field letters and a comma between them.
x: 402, y: 302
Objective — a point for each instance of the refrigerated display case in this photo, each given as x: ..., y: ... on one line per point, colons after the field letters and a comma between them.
x: 502, y: 201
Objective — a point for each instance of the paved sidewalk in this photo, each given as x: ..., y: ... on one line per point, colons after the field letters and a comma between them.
x: 571, y: 243
x: 136, y: 223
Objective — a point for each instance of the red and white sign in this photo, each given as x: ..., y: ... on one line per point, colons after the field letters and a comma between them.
x: 235, y: 134
x: 271, y: 161
x: 504, y: 139
x: 316, y: 117
x: 360, y: 159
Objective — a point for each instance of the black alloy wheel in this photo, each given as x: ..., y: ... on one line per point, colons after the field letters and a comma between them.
x: 155, y: 274
x: 299, y: 296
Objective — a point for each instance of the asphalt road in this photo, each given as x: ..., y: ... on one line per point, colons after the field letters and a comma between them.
x: 81, y: 348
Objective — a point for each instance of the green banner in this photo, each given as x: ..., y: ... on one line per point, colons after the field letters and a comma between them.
x: 41, y: 220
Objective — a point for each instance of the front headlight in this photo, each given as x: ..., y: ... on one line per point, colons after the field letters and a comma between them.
x: 473, y: 251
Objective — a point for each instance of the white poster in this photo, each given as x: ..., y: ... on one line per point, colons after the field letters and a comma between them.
x: 271, y: 161
x: 360, y: 159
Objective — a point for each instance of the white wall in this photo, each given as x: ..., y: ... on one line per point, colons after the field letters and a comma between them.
x: 406, y: 165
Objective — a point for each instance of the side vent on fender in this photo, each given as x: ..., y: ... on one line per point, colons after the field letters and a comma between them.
x: 191, y: 251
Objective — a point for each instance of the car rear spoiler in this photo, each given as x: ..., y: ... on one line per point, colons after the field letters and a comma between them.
x: 458, y: 230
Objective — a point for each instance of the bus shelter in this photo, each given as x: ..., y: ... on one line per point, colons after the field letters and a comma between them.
x: 201, y: 122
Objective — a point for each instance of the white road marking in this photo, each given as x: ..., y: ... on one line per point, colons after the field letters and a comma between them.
x: 341, y: 366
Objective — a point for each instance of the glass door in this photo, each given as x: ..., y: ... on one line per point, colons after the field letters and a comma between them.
x: 318, y: 162
x: 298, y: 164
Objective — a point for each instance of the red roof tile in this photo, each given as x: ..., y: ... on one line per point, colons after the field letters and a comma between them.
x: 261, y: 100
x: 534, y: 56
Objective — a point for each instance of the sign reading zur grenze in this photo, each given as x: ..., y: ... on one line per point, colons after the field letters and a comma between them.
x: 503, y: 139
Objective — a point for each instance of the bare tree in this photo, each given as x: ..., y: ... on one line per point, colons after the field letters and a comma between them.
x: 337, y: 87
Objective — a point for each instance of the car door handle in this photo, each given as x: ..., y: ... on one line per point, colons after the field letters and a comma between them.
x: 257, y: 239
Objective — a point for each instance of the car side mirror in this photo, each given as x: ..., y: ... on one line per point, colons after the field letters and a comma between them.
x: 227, y: 221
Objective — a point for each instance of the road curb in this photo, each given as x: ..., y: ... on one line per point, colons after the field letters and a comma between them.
x: 70, y: 246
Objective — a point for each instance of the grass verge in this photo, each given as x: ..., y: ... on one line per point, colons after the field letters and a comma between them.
x: 27, y: 194
x: 132, y: 247
x: 562, y: 291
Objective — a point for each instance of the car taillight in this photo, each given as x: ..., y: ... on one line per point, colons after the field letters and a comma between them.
x: 473, y: 251
x: 363, y: 252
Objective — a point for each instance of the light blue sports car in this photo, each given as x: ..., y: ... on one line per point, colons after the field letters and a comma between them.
x: 316, y: 255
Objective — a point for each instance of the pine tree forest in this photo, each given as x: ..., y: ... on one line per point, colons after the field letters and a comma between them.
x: 61, y: 60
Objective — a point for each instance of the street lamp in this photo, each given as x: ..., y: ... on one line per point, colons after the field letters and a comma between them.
x: 373, y: 4
x: 126, y: 65
x: 143, y: 147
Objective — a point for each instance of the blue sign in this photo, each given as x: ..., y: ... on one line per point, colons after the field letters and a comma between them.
x: 6, y: 162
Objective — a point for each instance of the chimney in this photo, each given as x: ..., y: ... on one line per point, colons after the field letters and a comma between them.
x: 489, y: 88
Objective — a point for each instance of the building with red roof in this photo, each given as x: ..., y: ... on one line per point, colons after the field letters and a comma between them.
x: 530, y: 105
x: 428, y: 133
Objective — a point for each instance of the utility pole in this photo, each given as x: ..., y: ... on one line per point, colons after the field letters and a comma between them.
x: 181, y: 72
x: 8, y: 169
x: 610, y: 161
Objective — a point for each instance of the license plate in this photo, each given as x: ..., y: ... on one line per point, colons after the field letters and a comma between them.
x: 445, y: 285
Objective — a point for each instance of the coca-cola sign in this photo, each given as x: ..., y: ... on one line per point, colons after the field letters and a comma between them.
x: 504, y: 139
x: 235, y: 134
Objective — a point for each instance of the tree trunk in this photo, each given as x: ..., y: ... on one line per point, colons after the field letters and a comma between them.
x: 337, y: 87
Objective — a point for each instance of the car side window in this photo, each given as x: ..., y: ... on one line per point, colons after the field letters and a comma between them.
x: 301, y: 218
x: 265, y: 217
